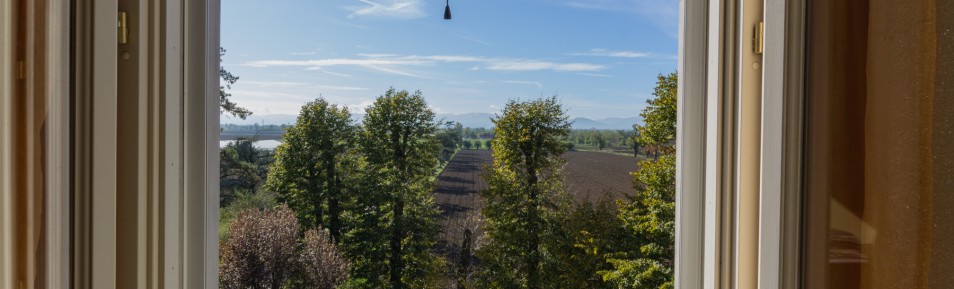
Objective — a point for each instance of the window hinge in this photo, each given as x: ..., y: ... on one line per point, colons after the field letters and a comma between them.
x: 758, y: 38
x: 123, y: 28
x: 21, y: 69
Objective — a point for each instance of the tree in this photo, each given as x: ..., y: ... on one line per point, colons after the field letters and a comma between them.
x: 477, y: 144
x: 634, y: 141
x: 243, y: 168
x: 600, y: 140
x: 401, y: 150
x: 659, y: 116
x: 487, y: 143
x: 651, y: 217
x: 229, y: 79
x: 525, y: 192
x: 651, y: 214
x: 468, y: 144
x: 588, y: 235
x: 312, y: 162
x: 451, y: 137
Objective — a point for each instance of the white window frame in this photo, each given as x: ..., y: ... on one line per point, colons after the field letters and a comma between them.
x: 177, y: 144
x: 704, y: 169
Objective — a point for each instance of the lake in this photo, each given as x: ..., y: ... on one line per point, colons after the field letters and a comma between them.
x: 263, y: 144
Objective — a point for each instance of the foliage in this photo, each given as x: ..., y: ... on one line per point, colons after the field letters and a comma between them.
x: 477, y: 144
x: 651, y: 218
x: 659, y: 116
x: 393, y: 225
x: 451, y: 136
x: 488, y: 144
x: 651, y: 214
x: 260, y: 252
x: 525, y: 194
x: 243, y: 201
x: 600, y: 141
x: 243, y: 167
x: 468, y: 144
x: 589, y: 234
x: 597, y: 139
x: 312, y: 162
x: 321, y: 264
x: 229, y: 79
x: 264, y: 252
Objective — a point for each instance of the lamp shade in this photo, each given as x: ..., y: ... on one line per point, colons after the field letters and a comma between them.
x: 447, y: 13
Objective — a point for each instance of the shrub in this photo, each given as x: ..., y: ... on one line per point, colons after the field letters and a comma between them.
x: 322, y: 265
x: 260, y: 251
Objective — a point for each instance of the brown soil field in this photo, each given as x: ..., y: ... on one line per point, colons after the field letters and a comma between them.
x: 590, y: 175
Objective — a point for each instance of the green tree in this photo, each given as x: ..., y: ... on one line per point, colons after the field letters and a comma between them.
x: 477, y: 144
x: 451, y: 136
x: 229, y: 79
x: 311, y: 164
x: 401, y: 150
x: 243, y: 167
x: 651, y: 214
x: 468, y: 144
x: 525, y: 193
x: 659, y: 116
x: 651, y: 217
x: 488, y: 143
x: 600, y: 140
x: 589, y: 234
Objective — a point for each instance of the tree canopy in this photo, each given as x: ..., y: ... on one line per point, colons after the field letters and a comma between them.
x: 312, y: 162
x: 395, y: 215
x: 525, y: 190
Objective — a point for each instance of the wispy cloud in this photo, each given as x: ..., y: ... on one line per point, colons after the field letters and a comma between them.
x: 304, y: 53
x: 475, y: 40
x: 611, y: 53
x: 334, y: 87
x: 534, y: 83
x: 390, y: 63
x: 530, y: 65
x: 336, y: 74
x: 275, y: 83
x: 389, y: 9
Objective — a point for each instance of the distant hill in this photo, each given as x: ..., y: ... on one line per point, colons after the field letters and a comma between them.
x: 474, y: 120
x: 624, y: 123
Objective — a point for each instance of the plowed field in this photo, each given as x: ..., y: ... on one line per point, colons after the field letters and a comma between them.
x: 590, y: 175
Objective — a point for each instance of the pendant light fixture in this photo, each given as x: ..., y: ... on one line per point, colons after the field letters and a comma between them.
x: 447, y: 14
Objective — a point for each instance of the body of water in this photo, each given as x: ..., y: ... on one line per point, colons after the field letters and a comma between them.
x: 264, y: 144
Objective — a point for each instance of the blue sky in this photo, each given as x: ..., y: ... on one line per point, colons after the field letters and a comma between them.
x: 600, y: 56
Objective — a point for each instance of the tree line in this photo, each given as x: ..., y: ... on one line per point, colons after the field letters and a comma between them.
x: 359, y: 199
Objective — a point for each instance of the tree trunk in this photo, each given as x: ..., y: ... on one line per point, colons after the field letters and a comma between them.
x: 533, y: 261
x: 334, y: 210
x: 397, y: 234
x: 316, y: 200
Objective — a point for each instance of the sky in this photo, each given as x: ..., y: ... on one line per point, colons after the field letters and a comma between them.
x: 600, y: 57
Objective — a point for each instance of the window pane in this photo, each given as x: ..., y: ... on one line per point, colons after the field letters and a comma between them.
x: 879, y: 145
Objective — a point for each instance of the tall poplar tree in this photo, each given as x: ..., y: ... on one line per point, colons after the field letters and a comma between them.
x: 311, y: 164
x: 395, y: 215
x: 524, y: 194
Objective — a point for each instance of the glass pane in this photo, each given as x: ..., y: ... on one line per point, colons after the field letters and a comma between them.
x: 879, y: 181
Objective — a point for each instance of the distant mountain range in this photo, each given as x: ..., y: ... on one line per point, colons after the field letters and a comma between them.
x: 467, y: 120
